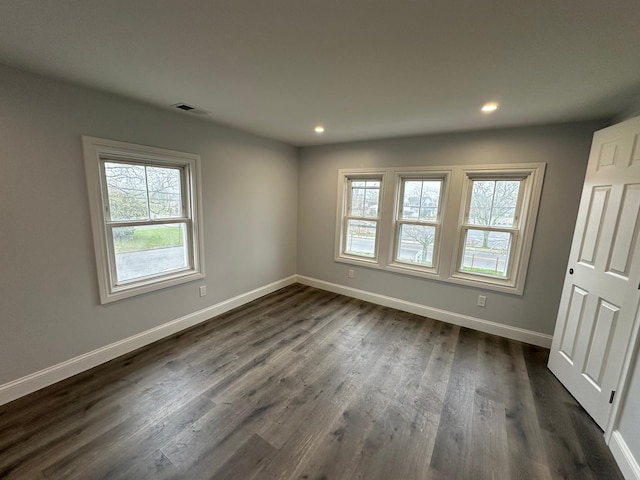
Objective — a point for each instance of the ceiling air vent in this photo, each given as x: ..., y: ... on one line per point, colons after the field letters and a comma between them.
x: 190, y: 109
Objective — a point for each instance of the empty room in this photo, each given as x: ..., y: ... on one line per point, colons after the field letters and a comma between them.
x: 392, y: 240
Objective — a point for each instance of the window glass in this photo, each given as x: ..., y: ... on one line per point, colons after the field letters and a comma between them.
x: 418, y: 221
x: 361, y: 238
x: 127, y: 191
x: 486, y: 252
x: 416, y: 244
x: 421, y: 199
x: 492, y: 208
x: 139, y: 192
x: 145, y: 217
x: 148, y: 250
x: 494, y: 202
x: 469, y: 225
x: 165, y: 194
x: 365, y: 197
x: 360, y: 224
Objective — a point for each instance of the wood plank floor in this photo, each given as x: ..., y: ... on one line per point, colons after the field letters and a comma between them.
x: 307, y: 384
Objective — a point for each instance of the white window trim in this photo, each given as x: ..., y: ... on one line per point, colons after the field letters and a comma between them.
x: 529, y: 200
x: 456, y: 189
x: 343, y: 195
x: 98, y: 149
x: 423, y: 174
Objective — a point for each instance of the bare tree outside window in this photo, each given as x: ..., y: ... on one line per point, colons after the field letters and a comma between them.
x: 138, y: 194
x: 465, y: 224
x: 145, y: 216
x: 493, y: 203
x: 492, y: 210
x: 418, y: 221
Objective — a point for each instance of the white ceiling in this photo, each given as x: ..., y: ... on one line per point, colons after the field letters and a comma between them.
x: 365, y: 69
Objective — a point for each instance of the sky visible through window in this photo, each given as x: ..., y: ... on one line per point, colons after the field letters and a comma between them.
x: 493, y: 203
x: 139, y: 193
x: 364, y: 204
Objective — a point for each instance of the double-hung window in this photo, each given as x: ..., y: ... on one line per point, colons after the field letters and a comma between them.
x: 418, y: 218
x: 145, y: 213
x: 496, y: 224
x: 491, y: 229
x: 361, y: 217
x: 470, y: 225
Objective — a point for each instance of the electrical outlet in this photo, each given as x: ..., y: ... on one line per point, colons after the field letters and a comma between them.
x: 482, y: 300
x: 203, y: 290
x: 350, y: 274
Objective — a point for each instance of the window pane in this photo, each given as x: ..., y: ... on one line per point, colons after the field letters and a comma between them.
x: 415, y: 244
x: 165, y: 194
x: 420, y: 199
x: 486, y: 252
x: 505, y: 202
x: 142, y: 251
x: 493, y: 202
x: 361, y: 238
x: 411, y: 199
x: 127, y: 191
x: 357, y: 201
x: 365, y: 198
x: 430, y: 200
x: 371, y: 202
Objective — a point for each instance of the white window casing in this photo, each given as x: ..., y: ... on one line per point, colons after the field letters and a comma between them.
x: 421, y: 224
x: 345, y: 215
x: 449, y: 226
x: 530, y: 177
x: 180, y: 213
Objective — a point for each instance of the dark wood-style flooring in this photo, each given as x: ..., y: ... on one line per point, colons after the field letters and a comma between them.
x: 307, y: 384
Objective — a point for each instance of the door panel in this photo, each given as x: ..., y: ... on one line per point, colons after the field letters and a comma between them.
x: 635, y: 155
x: 626, y: 232
x: 574, y: 318
x: 600, y: 296
x: 592, y: 229
x: 608, y: 153
x: 600, y: 342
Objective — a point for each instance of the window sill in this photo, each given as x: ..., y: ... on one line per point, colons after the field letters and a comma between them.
x: 132, y: 289
x: 416, y: 271
x: 487, y: 283
x: 371, y: 263
x: 457, y: 279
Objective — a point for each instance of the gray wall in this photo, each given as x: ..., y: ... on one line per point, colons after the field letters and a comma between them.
x: 49, y: 309
x: 252, y: 192
x: 565, y: 149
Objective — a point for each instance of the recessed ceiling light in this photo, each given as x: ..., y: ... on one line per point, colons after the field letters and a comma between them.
x: 319, y: 129
x: 489, y: 107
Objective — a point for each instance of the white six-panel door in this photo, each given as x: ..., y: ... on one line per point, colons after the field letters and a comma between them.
x: 602, y: 285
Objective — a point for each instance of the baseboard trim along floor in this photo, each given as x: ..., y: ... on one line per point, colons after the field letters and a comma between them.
x: 623, y: 456
x: 308, y: 383
x: 48, y: 376
x: 486, y: 326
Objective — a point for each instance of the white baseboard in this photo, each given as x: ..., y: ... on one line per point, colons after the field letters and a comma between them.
x: 43, y: 378
x: 625, y: 459
x: 514, y: 333
x: 48, y: 376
